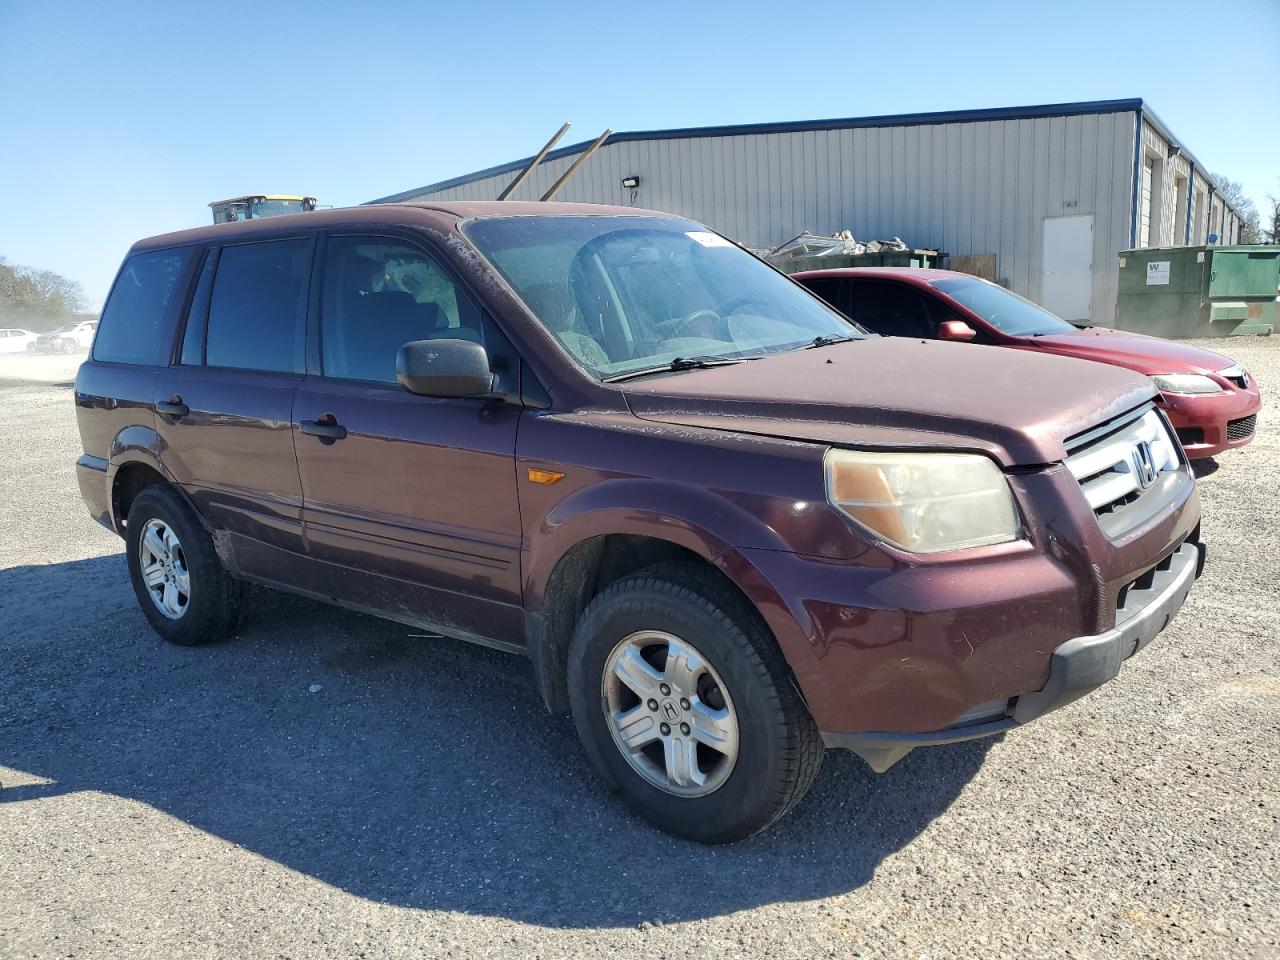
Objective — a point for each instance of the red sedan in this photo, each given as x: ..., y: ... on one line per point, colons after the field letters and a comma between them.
x: 1211, y: 400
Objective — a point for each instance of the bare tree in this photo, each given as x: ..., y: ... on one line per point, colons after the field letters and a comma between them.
x: 1233, y: 192
x: 1271, y: 227
x: 40, y: 299
x: 61, y: 293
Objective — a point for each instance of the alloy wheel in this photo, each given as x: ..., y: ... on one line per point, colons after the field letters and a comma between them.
x: 670, y: 714
x: 163, y: 566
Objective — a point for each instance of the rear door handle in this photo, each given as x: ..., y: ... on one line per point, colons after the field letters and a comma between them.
x: 326, y: 428
x: 173, y: 407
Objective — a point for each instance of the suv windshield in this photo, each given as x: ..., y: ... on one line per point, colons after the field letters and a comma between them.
x: 625, y: 294
x: 1003, y: 309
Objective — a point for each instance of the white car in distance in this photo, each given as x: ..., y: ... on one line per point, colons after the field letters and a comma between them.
x: 15, y: 339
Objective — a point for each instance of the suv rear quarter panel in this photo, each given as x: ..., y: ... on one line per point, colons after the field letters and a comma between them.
x: 117, y: 426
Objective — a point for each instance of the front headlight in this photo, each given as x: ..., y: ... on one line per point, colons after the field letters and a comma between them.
x: 1185, y: 383
x: 923, y: 502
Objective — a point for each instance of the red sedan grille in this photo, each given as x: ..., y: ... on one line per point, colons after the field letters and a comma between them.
x: 1241, y: 429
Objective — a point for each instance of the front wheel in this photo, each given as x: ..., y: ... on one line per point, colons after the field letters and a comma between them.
x: 685, y: 706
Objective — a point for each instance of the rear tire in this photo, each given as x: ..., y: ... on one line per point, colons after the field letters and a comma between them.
x: 730, y: 747
x: 180, y: 583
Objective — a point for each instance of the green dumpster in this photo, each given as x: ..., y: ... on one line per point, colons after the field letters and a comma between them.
x: 1199, y: 291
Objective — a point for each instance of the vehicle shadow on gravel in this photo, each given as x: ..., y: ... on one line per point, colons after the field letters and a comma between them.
x: 422, y: 773
x: 1204, y: 468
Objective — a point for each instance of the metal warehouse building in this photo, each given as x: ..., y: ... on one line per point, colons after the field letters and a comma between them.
x: 1054, y: 192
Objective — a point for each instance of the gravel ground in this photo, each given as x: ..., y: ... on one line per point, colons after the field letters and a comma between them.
x: 161, y: 802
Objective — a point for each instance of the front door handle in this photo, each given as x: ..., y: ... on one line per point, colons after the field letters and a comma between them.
x: 173, y: 407
x: 325, y: 427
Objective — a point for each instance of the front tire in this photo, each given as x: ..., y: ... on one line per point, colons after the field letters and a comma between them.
x: 685, y: 706
x: 179, y: 581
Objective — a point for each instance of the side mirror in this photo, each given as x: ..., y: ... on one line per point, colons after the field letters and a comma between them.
x: 956, y: 330
x: 444, y: 368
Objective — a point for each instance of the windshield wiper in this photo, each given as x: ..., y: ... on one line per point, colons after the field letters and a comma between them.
x: 679, y: 363
x: 824, y: 340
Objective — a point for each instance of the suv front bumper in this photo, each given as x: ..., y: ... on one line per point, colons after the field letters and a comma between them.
x: 1077, y: 667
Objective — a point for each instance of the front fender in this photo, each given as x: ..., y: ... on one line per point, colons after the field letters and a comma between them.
x: 700, y: 520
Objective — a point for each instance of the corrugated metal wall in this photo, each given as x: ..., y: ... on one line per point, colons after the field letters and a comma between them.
x: 1168, y: 225
x: 966, y: 188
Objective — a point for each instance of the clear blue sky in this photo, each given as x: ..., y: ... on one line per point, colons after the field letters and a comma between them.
x: 124, y: 119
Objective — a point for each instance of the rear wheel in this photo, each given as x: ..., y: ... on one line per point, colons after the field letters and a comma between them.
x: 180, y: 583
x: 685, y: 706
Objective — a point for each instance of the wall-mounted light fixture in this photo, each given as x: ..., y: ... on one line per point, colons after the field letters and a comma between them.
x: 631, y: 183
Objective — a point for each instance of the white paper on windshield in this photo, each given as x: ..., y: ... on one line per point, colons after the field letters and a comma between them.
x: 707, y: 239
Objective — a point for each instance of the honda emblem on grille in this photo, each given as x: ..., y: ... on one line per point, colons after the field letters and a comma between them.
x: 1144, y: 464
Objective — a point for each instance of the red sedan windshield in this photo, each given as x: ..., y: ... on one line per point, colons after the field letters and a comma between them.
x: 1003, y: 309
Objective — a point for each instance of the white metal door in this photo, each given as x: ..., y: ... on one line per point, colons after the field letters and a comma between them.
x: 1066, y: 272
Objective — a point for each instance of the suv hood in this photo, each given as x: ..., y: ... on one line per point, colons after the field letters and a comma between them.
x: 895, y: 393
x: 1146, y: 355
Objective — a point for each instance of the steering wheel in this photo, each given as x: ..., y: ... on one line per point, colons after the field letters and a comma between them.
x: 739, y: 301
x: 676, y: 323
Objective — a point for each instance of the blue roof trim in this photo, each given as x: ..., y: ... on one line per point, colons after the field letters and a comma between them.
x: 1035, y: 112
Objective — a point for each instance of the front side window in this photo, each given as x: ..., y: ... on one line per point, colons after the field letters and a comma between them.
x: 257, y: 308
x: 1003, y: 309
x: 133, y: 321
x: 380, y: 294
x: 630, y: 293
x: 893, y: 311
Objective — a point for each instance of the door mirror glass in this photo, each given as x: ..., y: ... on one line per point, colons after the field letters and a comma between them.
x: 444, y: 368
x: 956, y: 330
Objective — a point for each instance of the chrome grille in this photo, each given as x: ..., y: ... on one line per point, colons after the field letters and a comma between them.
x: 1242, y: 428
x: 1237, y: 375
x: 1121, y: 462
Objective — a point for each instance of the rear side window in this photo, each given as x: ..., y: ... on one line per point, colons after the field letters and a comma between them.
x: 133, y: 322
x: 258, y: 306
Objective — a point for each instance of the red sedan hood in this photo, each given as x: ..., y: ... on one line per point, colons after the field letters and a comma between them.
x: 891, y: 392
x: 1146, y: 355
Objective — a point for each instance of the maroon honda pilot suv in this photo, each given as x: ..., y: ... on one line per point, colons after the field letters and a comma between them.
x: 727, y: 527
